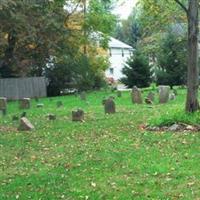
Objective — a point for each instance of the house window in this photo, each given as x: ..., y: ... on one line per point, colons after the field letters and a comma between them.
x: 122, y: 52
x: 111, y: 70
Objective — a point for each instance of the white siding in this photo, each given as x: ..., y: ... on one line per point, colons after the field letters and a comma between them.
x: 118, y: 57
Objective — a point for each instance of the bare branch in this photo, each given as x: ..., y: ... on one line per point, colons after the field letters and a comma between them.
x: 182, y: 5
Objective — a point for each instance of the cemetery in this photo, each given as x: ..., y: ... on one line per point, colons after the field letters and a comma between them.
x: 86, y: 149
x: 99, y: 100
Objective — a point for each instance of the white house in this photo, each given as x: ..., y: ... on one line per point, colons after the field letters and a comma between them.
x: 119, y: 52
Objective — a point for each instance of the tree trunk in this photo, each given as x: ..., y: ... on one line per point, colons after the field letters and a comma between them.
x: 6, y: 66
x: 192, y: 103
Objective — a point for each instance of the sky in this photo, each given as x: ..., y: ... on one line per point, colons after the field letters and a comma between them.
x: 124, y: 8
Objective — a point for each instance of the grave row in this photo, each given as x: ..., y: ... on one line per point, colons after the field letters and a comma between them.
x: 78, y: 115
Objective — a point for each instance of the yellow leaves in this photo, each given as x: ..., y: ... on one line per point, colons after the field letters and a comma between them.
x: 6, y: 36
x: 32, y: 46
x: 93, y: 184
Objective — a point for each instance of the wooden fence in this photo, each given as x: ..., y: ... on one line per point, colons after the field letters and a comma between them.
x: 17, y: 88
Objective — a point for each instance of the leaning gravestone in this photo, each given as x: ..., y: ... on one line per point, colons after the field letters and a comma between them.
x: 25, y: 125
x: 78, y: 115
x: 151, y: 96
x: 109, y: 106
x: 164, y: 93
x: 3, y: 105
x: 136, y: 95
x: 25, y: 103
x: 83, y: 96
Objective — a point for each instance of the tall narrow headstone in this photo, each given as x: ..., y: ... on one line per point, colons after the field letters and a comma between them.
x: 78, y: 115
x: 3, y: 105
x: 25, y: 103
x: 164, y: 93
x: 109, y: 106
x: 136, y: 95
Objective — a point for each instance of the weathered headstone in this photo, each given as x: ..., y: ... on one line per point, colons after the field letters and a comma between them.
x: 59, y: 104
x: 40, y: 105
x: 164, y: 93
x: 51, y: 117
x: 151, y: 96
x: 25, y: 125
x: 78, y: 115
x: 3, y: 105
x: 136, y: 95
x: 109, y: 106
x: 25, y: 103
x: 83, y: 96
x: 172, y: 97
x: 119, y: 93
x: 148, y: 101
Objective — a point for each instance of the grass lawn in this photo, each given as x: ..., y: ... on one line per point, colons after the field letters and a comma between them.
x: 105, y: 157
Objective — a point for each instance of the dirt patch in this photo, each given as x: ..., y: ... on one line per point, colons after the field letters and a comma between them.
x: 176, y: 127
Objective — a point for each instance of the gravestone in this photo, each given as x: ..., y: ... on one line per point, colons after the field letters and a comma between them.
x: 78, y: 115
x: 136, y: 95
x: 148, y: 101
x: 51, y: 117
x: 164, y: 93
x: 40, y: 105
x: 25, y: 125
x: 172, y: 97
x: 109, y: 106
x: 83, y: 96
x: 3, y: 105
x: 25, y: 103
x: 119, y: 93
x: 151, y: 96
x: 59, y: 104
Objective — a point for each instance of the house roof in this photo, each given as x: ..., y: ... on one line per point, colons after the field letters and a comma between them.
x: 114, y: 43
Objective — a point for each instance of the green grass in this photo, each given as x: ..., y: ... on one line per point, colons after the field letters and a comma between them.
x: 106, y: 157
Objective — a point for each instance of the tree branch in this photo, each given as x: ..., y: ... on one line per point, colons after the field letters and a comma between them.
x: 182, y: 5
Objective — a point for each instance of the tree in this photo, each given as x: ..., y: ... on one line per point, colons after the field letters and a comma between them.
x: 46, y: 38
x: 137, y: 71
x: 166, y: 12
x: 192, y: 103
x: 128, y: 30
x: 172, y: 64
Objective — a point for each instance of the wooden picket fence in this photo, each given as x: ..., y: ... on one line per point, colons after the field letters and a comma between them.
x: 18, y: 88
